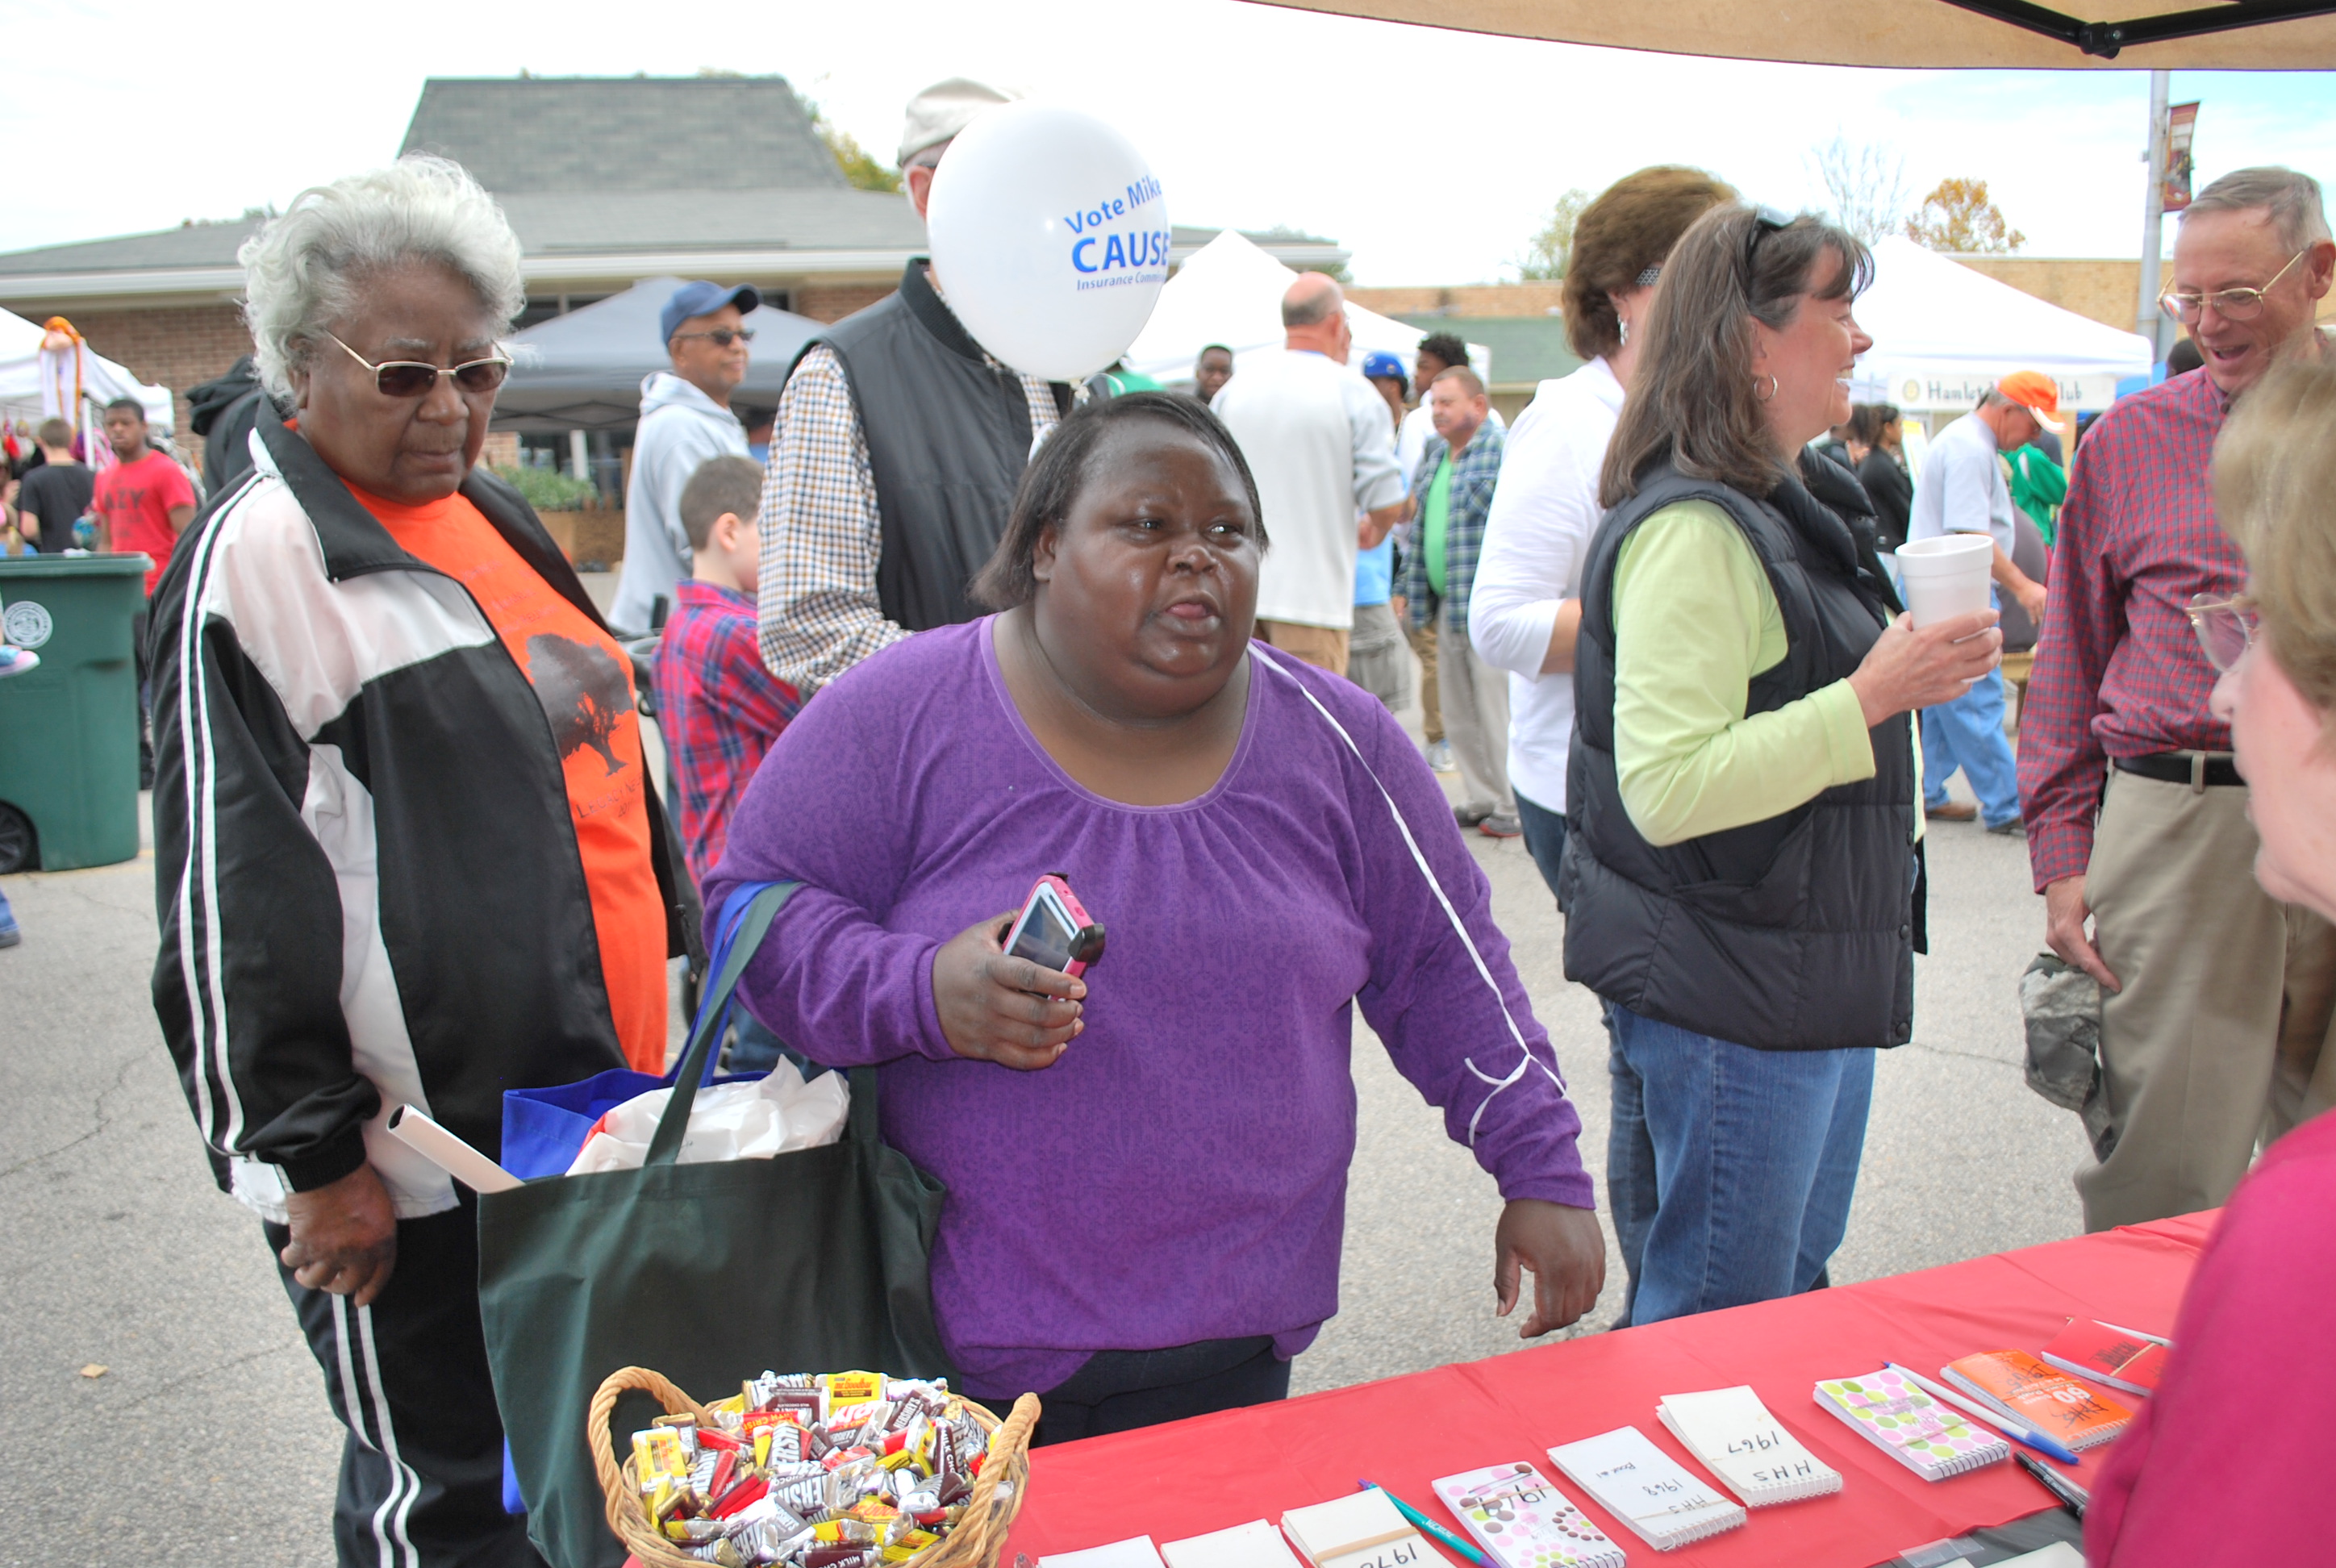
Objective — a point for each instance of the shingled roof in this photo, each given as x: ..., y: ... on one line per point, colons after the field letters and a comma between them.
x: 521, y: 134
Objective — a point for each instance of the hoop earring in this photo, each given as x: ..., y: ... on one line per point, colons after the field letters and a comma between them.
x: 1768, y: 395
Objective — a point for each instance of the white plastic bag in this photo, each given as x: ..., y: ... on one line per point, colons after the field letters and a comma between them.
x: 774, y: 1115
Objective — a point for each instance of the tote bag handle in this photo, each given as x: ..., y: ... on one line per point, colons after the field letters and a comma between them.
x: 746, y: 917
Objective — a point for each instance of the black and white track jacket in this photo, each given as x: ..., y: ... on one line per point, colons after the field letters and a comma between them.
x: 365, y: 864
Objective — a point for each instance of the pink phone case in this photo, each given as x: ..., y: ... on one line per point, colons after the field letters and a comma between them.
x: 1087, y: 932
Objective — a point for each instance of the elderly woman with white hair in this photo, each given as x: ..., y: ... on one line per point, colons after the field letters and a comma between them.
x: 406, y: 851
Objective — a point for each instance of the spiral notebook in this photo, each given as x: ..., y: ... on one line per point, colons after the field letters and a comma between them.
x: 1523, y: 1521
x: 1930, y: 1439
x: 1646, y: 1488
x: 1732, y: 1433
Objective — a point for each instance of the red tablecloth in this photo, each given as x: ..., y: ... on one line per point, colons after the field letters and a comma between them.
x: 1181, y: 1479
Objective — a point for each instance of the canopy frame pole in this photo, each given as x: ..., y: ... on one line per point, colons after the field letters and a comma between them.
x: 2106, y: 39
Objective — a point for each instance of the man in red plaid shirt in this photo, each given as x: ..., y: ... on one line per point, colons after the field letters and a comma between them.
x: 2217, y: 1000
x: 719, y: 709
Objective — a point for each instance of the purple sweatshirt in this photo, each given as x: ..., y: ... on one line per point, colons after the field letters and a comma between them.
x: 1180, y: 1175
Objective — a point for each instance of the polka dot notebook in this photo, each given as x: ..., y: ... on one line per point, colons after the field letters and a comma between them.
x: 1523, y: 1522
x: 1932, y: 1439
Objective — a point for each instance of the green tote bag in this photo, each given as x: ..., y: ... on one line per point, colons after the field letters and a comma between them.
x: 815, y: 1260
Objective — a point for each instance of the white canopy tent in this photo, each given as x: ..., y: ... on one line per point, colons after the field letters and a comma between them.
x: 1944, y: 334
x: 101, y: 379
x: 1229, y: 292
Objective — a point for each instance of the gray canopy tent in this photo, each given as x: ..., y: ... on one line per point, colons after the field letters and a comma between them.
x: 584, y: 370
x: 2124, y: 34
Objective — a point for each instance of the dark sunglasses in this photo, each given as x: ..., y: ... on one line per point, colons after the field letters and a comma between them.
x: 414, y: 378
x: 723, y: 336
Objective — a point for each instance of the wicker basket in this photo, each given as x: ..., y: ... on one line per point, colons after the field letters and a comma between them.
x: 975, y: 1542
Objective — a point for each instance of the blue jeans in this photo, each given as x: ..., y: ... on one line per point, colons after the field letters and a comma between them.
x: 1968, y: 733
x: 1545, y: 838
x: 1728, y: 1170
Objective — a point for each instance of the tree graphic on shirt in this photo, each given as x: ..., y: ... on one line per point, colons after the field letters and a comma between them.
x: 583, y: 693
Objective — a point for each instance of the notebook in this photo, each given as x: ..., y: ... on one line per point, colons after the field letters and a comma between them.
x: 1646, y: 1488
x: 1361, y: 1530
x: 2107, y: 1355
x: 1134, y: 1553
x: 2024, y: 1389
x: 1522, y: 1521
x: 1930, y: 1438
x: 1747, y: 1447
x: 1256, y: 1545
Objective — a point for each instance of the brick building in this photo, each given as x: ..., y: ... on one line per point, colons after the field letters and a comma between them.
x: 607, y: 181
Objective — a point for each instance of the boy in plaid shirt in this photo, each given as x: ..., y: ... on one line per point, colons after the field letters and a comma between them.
x: 718, y: 708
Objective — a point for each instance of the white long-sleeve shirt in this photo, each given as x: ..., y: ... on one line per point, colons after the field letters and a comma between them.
x: 1536, y: 540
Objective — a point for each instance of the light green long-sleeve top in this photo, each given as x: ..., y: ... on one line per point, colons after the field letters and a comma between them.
x: 1694, y: 621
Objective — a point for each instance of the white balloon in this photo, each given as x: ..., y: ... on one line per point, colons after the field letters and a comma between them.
x: 1049, y: 239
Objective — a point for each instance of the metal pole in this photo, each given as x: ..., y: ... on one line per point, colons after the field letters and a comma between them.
x: 2146, y: 320
x: 580, y: 455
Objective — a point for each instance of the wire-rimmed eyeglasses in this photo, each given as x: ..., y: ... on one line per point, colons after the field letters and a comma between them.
x: 415, y: 377
x: 2185, y: 305
x: 2227, y: 627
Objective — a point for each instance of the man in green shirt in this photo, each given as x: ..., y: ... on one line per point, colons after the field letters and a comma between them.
x: 1458, y: 470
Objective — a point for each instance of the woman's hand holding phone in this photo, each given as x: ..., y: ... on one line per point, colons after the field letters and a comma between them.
x: 996, y: 1007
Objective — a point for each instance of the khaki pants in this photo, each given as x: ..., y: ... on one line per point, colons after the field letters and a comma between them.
x: 1376, y: 659
x: 2216, y: 1041
x: 1324, y: 647
x: 1475, y: 720
x: 1431, y: 697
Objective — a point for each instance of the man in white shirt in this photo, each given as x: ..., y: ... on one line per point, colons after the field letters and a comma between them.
x: 1525, y: 604
x: 1962, y: 489
x: 1317, y: 438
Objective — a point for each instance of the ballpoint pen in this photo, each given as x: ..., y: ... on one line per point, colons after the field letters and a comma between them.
x: 2072, y: 1496
x: 1424, y: 1523
x: 2017, y: 1431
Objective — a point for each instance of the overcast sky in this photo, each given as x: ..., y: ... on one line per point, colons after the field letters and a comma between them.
x: 1433, y: 156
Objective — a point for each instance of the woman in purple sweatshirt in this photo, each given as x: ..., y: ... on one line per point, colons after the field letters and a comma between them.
x: 1146, y: 1168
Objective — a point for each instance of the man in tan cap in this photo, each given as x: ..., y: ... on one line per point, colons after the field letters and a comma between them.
x: 898, y: 446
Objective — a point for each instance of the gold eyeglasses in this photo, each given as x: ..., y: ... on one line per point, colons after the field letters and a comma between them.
x: 2230, y: 304
x: 414, y: 378
x: 2227, y: 627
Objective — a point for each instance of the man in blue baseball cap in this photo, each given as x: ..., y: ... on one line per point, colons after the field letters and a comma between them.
x: 685, y: 419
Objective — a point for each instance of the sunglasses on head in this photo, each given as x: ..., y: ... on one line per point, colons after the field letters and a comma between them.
x: 1766, y: 220
x: 723, y: 336
x: 415, y: 377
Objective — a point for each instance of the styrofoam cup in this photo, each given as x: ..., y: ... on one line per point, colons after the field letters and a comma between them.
x: 1947, y: 576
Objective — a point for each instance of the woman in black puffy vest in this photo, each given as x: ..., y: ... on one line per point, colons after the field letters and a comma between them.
x: 1741, y: 866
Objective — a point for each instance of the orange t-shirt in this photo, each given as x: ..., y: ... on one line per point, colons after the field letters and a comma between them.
x: 585, y: 682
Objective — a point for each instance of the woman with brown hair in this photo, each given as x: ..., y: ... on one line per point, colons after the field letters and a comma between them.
x: 1740, y: 869
x: 1882, y: 470
x: 1526, y: 603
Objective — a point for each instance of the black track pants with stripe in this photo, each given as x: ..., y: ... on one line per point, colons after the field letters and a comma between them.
x: 422, y: 1470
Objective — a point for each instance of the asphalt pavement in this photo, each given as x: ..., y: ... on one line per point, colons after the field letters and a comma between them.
x: 209, y: 1423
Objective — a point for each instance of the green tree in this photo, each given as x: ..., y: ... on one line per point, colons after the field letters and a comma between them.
x: 860, y: 166
x: 1550, y: 252
x: 1956, y: 216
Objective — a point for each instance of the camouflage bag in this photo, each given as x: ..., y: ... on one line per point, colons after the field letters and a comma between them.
x: 2062, y: 1007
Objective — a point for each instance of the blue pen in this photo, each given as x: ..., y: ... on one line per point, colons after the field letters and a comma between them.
x: 1430, y: 1525
x: 2042, y: 1442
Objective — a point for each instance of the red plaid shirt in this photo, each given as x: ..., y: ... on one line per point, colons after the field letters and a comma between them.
x: 2118, y: 671
x: 718, y: 711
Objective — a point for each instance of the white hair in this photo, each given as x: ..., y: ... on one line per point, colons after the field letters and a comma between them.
x: 307, y: 268
x: 2291, y: 201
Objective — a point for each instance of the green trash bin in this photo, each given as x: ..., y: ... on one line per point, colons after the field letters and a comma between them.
x: 69, y: 728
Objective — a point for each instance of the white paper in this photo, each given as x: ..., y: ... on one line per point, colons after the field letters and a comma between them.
x: 1134, y: 1553
x: 1646, y: 1488
x: 1736, y: 1437
x: 774, y: 1115
x: 1256, y: 1545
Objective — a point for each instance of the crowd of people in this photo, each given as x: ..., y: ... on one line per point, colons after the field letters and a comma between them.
x: 964, y: 625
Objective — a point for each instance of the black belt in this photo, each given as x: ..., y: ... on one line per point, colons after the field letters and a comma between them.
x: 2197, y: 769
